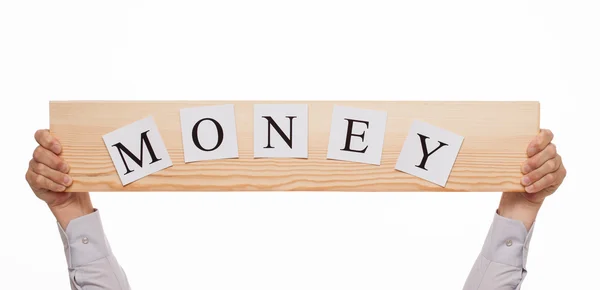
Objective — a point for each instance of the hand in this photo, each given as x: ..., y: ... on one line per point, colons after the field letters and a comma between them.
x: 48, y: 178
x: 543, y: 173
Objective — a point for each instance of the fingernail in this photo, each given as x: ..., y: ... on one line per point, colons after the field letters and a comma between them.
x: 526, y: 169
x: 530, y: 151
x: 526, y: 181
x: 67, y: 180
x: 56, y: 148
x: 529, y: 189
x: 64, y: 168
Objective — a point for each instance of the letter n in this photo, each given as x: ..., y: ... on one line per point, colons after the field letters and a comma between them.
x: 271, y: 123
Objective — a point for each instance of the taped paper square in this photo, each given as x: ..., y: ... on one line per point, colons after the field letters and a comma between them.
x: 429, y: 152
x: 137, y: 150
x: 356, y: 135
x: 208, y: 133
x: 281, y: 131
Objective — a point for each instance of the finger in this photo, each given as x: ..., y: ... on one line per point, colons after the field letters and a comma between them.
x: 48, y: 158
x: 55, y: 176
x: 30, y: 177
x: 544, y: 182
x: 543, y: 138
x: 40, y: 182
x: 46, y: 140
x: 562, y: 173
x: 539, y: 159
x: 549, y: 166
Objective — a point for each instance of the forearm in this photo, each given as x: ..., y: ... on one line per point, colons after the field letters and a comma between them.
x: 516, y: 207
x: 79, y: 205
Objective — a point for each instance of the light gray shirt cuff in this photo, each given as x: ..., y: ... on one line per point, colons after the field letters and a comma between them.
x: 503, y: 258
x: 507, y: 242
x: 84, y: 240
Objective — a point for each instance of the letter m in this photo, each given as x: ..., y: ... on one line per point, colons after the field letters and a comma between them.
x: 139, y: 161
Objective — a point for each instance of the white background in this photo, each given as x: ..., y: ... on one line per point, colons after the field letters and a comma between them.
x: 302, y: 50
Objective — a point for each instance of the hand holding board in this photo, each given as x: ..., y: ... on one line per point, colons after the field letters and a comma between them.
x: 489, y: 158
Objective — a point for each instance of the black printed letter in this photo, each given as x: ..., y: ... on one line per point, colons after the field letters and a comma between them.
x: 349, y: 135
x: 138, y: 161
x: 270, y: 123
x: 425, y: 154
x: 219, y: 134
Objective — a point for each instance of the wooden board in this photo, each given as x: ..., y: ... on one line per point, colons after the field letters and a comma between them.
x: 496, y: 137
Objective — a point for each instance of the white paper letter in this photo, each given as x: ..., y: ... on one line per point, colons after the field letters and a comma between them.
x: 429, y: 152
x: 356, y: 135
x: 281, y: 131
x: 208, y: 133
x: 137, y: 150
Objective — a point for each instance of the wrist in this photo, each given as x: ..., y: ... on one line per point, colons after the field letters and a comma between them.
x: 515, y: 206
x: 78, y: 206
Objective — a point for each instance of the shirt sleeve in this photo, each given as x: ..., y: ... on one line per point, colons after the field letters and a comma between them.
x: 92, y: 265
x: 501, y: 263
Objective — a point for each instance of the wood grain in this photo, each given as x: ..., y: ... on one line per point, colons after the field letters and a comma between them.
x: 496, y: 136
